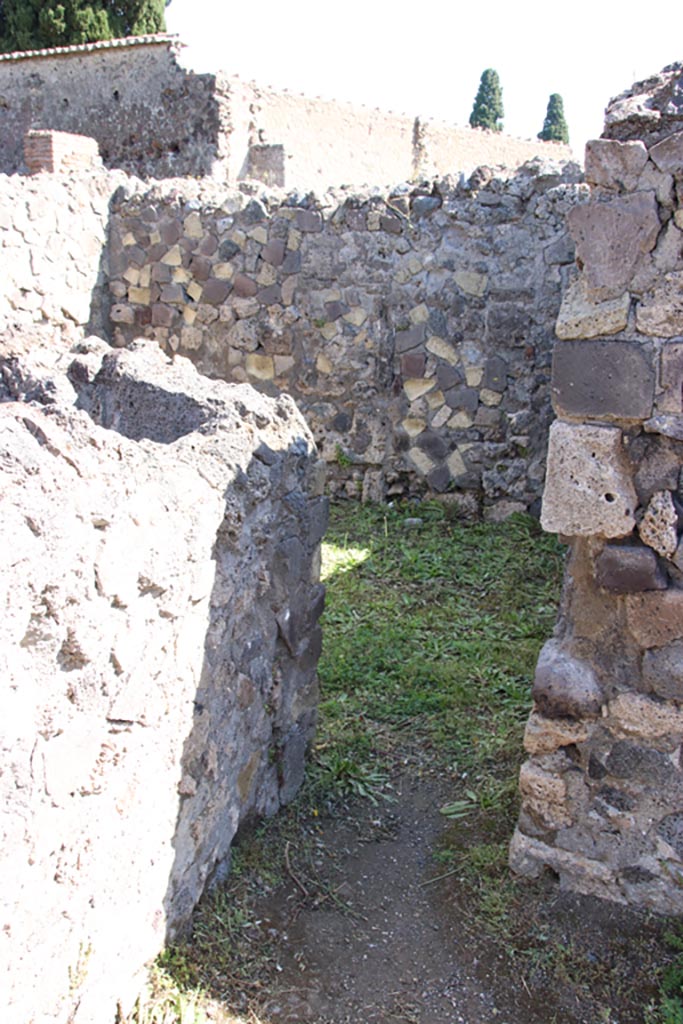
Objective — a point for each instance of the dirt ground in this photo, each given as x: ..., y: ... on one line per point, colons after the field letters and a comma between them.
x: 368, y: 931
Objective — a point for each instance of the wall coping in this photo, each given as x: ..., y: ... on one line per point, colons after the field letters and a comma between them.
x: 159, y: 39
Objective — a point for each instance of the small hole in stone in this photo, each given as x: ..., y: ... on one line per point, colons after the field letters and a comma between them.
x: 610, y: 497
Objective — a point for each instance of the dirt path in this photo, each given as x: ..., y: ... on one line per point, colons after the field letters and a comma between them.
x: 363, y: 932
x: 377, y: 944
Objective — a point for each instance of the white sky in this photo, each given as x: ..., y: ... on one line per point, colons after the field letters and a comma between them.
x: 427, y: 58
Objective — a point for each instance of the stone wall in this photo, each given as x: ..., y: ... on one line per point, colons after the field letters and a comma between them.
x: 327, y: 143
x: 152, y: 117
x: 602, y: 802
x: 148, y: 115
x: 158, y: 648
x: 413, y: 328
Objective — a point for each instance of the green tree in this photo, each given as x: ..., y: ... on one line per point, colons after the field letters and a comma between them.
x: 555, y: 127
x: 488, y: 104
x: 36, y: 24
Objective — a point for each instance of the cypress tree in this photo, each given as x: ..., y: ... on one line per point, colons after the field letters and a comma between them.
x: 487, y: 111
x: 555, y: 127
x: 36, y: 24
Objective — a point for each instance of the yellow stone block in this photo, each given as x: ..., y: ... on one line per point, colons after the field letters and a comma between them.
x: 267, y: 275
x: 356, y: 316
x: 189, y: 315
x: 145, y: 277
x: 173, y: 258
x: 443, y: 349
x: 415, y: 387
x: 129, y: 239
x: 194, y: 290
x: 419, y: 314
x: 435, y: 399
x: 323, y: 364
x: 456, y: 464
x: 192, y: 226
x: 471, y: 282
x: 460, y: 420
x: 473, y: 375
x: 293, y: 239
x: 181, y: 275
x: 131, y: 275
x: 421, y: 461
x: 260, y: 367
x: 330, y: 331
x: 140, y: 296
x: 413, y: 426
x: 154, y: 237
x: 489, y: 397
x: 223, y: 271
x: 259, y: 234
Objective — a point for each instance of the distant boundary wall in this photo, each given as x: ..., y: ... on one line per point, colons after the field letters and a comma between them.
x: 153, y: 118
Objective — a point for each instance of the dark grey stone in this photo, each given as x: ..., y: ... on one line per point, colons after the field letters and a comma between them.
x: 215, y: 291
x: 671, y: 831
x: 603, y: 378
x: 244, y: 287
x: 270, y: 296
x: 565, y: 686
x: 409, y: 339
x: 439, y: 479
x: 628, y: 568
x: 227, y: 250
x: 274, y: 252
x: 309, y: 220
x: 448, y: 377
x: 507, y: 324
x: 413, y: 364
x: 462, y: 398
x: 292, y: 263
x: 495, y: 374
x: 663, y: 670
x: 391, y: 224
x: 627, y: 760
x: 422, y: 206
x: 433, y: 444
x: 253, y: 212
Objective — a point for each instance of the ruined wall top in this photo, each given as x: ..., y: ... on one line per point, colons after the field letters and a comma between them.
x: 154, y: 118
x: 650, y: 110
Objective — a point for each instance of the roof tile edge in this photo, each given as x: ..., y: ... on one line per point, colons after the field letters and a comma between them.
x: 159, y: 39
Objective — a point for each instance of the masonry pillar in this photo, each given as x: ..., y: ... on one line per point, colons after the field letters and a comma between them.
x: 602, y: 789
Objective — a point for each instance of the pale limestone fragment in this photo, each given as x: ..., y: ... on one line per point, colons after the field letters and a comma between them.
x: 260, y: 367
x: 356, y: 316
x: 582, y: 317
x: 415, y: 387
x: 473, y: 376
x: 192, y: 226
x: 173, y: 257
x: 322, y: 364
x: 471, y: 282
x: 544, y: 795
x: 456, y: 464
x: 419, y: 314
x: 421, y: 461
x: 636, y: 716
x: 660, y: 311
x: 441, y: 417
x: 546, y: 735
x: 588, y: 487
x: 413, y: 425
x: 442, y: 349
x: 657, y: 528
